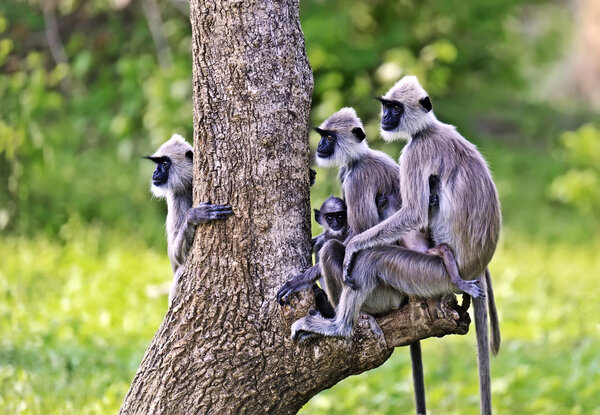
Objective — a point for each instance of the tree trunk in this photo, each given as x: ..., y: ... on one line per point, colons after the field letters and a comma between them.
x: 224, y: 346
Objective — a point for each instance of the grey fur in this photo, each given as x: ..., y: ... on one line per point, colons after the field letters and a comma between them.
x: 310, y: 276
x: 468, y: 220
x: 370, y: 186
x: 182, y: 218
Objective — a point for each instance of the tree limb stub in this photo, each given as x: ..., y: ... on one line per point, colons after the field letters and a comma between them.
x: 416, y: 320
x: 327, y: 360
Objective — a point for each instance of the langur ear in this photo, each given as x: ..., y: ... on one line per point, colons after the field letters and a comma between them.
x: 359, y: 134
x: 426, y: 103
x: 189, y: 154
x: 318, y: 215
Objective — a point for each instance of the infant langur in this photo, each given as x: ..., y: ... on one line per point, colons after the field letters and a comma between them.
x: 333, y: 219
x: 172, y: 179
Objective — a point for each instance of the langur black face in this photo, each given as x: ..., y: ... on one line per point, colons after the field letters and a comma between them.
x: 345, y: 143
x: 395, y: 113
x: 326, y: 146
x: 160, y: 177
x: 332, y: 214
x: 391, y: 114
x: 336, y: 220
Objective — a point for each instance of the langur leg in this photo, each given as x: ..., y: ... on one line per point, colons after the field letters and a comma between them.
x: 331, y: 260
x: 407, y: 271
x: 443, y: 251
x: 322, y: 304
x: 347, y: 310
x: 415, y: 273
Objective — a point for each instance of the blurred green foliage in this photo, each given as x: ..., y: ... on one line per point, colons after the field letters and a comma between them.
x: 72, y: 133
x: 581, y: 184
x: 84, y: 274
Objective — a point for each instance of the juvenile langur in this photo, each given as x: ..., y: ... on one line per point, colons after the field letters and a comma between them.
x: 467, y: 221
x: 371, y: 187
x: 333, y: 220
x: 172, y: 180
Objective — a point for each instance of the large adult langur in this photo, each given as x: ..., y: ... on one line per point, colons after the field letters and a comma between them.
x: 172, y: 179
x: 468, y: 221
x: 371, y: 188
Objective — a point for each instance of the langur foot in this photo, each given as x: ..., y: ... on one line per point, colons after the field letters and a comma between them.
x: 316, y: 325
x: 445, y: 313
x: 470, y: 287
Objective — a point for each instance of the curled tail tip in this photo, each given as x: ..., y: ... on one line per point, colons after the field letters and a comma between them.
x: 495, y: 344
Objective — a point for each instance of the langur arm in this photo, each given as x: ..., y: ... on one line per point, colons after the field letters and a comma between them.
x: 298, y: 283
x: 361, y: 202
x: 185, y: 235
x: 317, y: 243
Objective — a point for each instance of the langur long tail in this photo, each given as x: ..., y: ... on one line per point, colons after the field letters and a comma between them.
x: 494, y: 324
x: 483, y: 354
x: 418, y: 378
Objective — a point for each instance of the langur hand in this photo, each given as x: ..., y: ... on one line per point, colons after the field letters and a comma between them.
x: 349, y: 260
x: 205, y: 212
x: 312, y: 175
x: 292, y: 286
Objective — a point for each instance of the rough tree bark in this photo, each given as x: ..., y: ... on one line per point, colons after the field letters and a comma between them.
x: 224, y: 347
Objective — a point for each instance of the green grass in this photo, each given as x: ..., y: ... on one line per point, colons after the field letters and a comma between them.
x: 77, y: 312
x: 548, y: 362
x: 76, y: 317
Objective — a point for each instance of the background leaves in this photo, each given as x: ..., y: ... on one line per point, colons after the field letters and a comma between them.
x: 84, y: 273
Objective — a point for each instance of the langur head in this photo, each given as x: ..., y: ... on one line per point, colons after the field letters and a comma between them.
x: 174, y: 167
x: 405, y: 110
x: 342, y: 139
x: 332, y: 215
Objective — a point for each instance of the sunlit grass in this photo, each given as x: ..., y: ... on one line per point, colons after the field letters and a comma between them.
x: 548, y: 362
x: 78, y: 311
x: 75, y: 317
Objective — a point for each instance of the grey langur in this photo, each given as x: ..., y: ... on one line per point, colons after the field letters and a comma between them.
x: 371, y: 188
x: 333, y: 219
x: 468, y: 221
x: 172, y: 180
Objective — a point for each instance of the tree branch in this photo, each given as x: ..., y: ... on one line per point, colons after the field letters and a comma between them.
x: 416, y: 320
x: 155, y: 24
x: 375, y: 338
x: 57, y: 49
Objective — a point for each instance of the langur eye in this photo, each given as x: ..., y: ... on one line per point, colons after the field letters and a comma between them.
x: 165, y: 163
x: 329, y: 138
